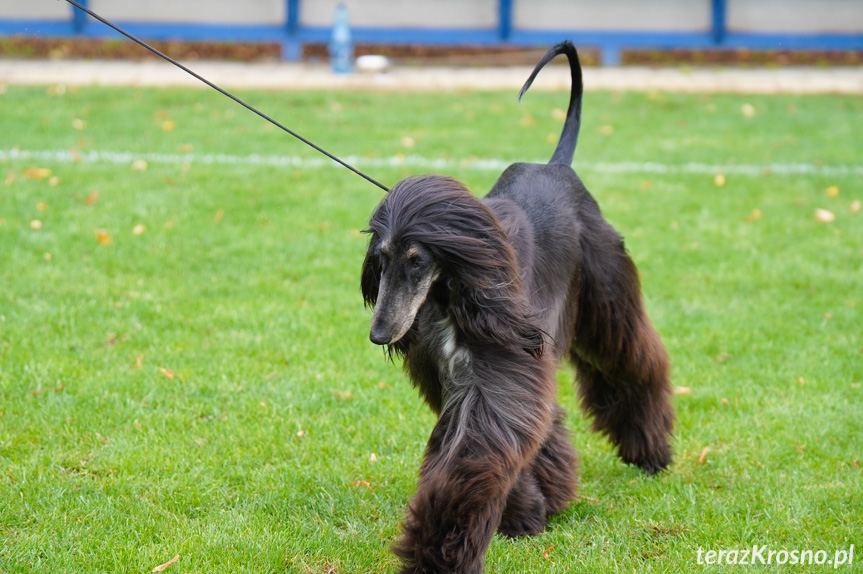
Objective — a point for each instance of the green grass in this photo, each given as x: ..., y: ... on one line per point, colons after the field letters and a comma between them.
x: 255, y: 456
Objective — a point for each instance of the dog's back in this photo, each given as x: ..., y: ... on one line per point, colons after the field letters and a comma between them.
x: 541, y: 208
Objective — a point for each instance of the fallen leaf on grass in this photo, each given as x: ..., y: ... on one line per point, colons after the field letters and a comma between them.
x: 824, y: 216
x: 682, y: 390
x: 103, y: 237
x: 10, y: 178
x: 373, y: 457
x: 408, y: 142
x: 605, y: 130
x: 139, y: 229
x: 169, y: 125
x: 719, y: 180
x: 558, y: 115
x: 139, y: 165
x: 589, y: 499
x: 363, y: 483
x: 547, y: 550
x: 37, y: 173
x: 753, y: 216
x: 219, y: 215
x: 79, y: 124
x: 92, y: 198
x: 36, y: 225
x: 167, y: 372
x: 343, y: 395
x: 725, y: 401
x: 301, y: 433
x: 748, y: 110
x: 161, y: 567
x: 138, y: 362
x: 703, y: 456
x: 831, y: 191
x: 527, y: 120
x: 855, y: 206
x: 54, y: 181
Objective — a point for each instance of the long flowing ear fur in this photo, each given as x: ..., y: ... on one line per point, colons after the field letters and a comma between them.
x: 370, y: 278
x: 487, y: 298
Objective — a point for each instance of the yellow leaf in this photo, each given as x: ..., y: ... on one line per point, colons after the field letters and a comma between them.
x: 855, y: 206
x: 408, y: 142
x: 103, y: 237
x: 169, y: 125
x: 37, y: 173
x: 167, y: 372
x: 682, y: 390
x: 754, y: 215
x: 832, y: 191
x: 41, y: 206
x: 719, y: 180
x: 139, y: 229
x: 824, y: 216
x: 36, y: 225
x: 139, y: 165
x: 748, y: 110
x: 558, y: 114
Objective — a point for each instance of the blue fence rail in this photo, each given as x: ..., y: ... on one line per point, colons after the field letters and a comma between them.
x: 292, y: 33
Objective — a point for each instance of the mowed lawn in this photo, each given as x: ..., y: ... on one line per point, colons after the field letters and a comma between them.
x: 184, y: 359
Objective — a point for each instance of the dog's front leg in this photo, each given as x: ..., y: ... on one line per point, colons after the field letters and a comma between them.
x: 473, y: 459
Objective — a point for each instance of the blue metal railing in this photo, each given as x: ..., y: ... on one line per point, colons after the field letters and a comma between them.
x: 292, y: 34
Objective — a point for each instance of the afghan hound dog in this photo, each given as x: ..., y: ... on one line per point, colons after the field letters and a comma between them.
x: 482, y: 299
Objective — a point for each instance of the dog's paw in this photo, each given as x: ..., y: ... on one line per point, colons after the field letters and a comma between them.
x: 516, y: 526
x: 650, y: 460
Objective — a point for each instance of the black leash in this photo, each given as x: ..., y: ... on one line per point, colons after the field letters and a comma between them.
x: 226, y: 93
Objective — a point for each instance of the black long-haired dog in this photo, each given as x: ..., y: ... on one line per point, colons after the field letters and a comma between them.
x: 482, y: 299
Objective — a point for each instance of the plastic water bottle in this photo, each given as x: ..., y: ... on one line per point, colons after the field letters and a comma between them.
x: 341, y: 45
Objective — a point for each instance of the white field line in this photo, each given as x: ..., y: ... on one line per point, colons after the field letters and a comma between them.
x: 413, y: 161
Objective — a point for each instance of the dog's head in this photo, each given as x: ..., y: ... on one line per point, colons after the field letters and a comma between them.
x: 429, y: 230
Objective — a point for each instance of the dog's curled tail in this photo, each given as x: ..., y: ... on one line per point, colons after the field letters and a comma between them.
x: 565, y: 149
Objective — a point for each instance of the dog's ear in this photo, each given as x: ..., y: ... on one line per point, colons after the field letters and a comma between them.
x: 503, y: 322
x: 370, y: 278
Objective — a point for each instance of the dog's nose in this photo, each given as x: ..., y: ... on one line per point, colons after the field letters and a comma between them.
x: 379, y: 336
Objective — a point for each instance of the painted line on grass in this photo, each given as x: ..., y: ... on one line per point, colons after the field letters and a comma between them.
x: 415, y: 162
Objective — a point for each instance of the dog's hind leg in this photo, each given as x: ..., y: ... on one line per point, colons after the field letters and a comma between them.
x: 621, y: 364
x: 525, y: 511
x: 544, y: 488
x: 555, y: 467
